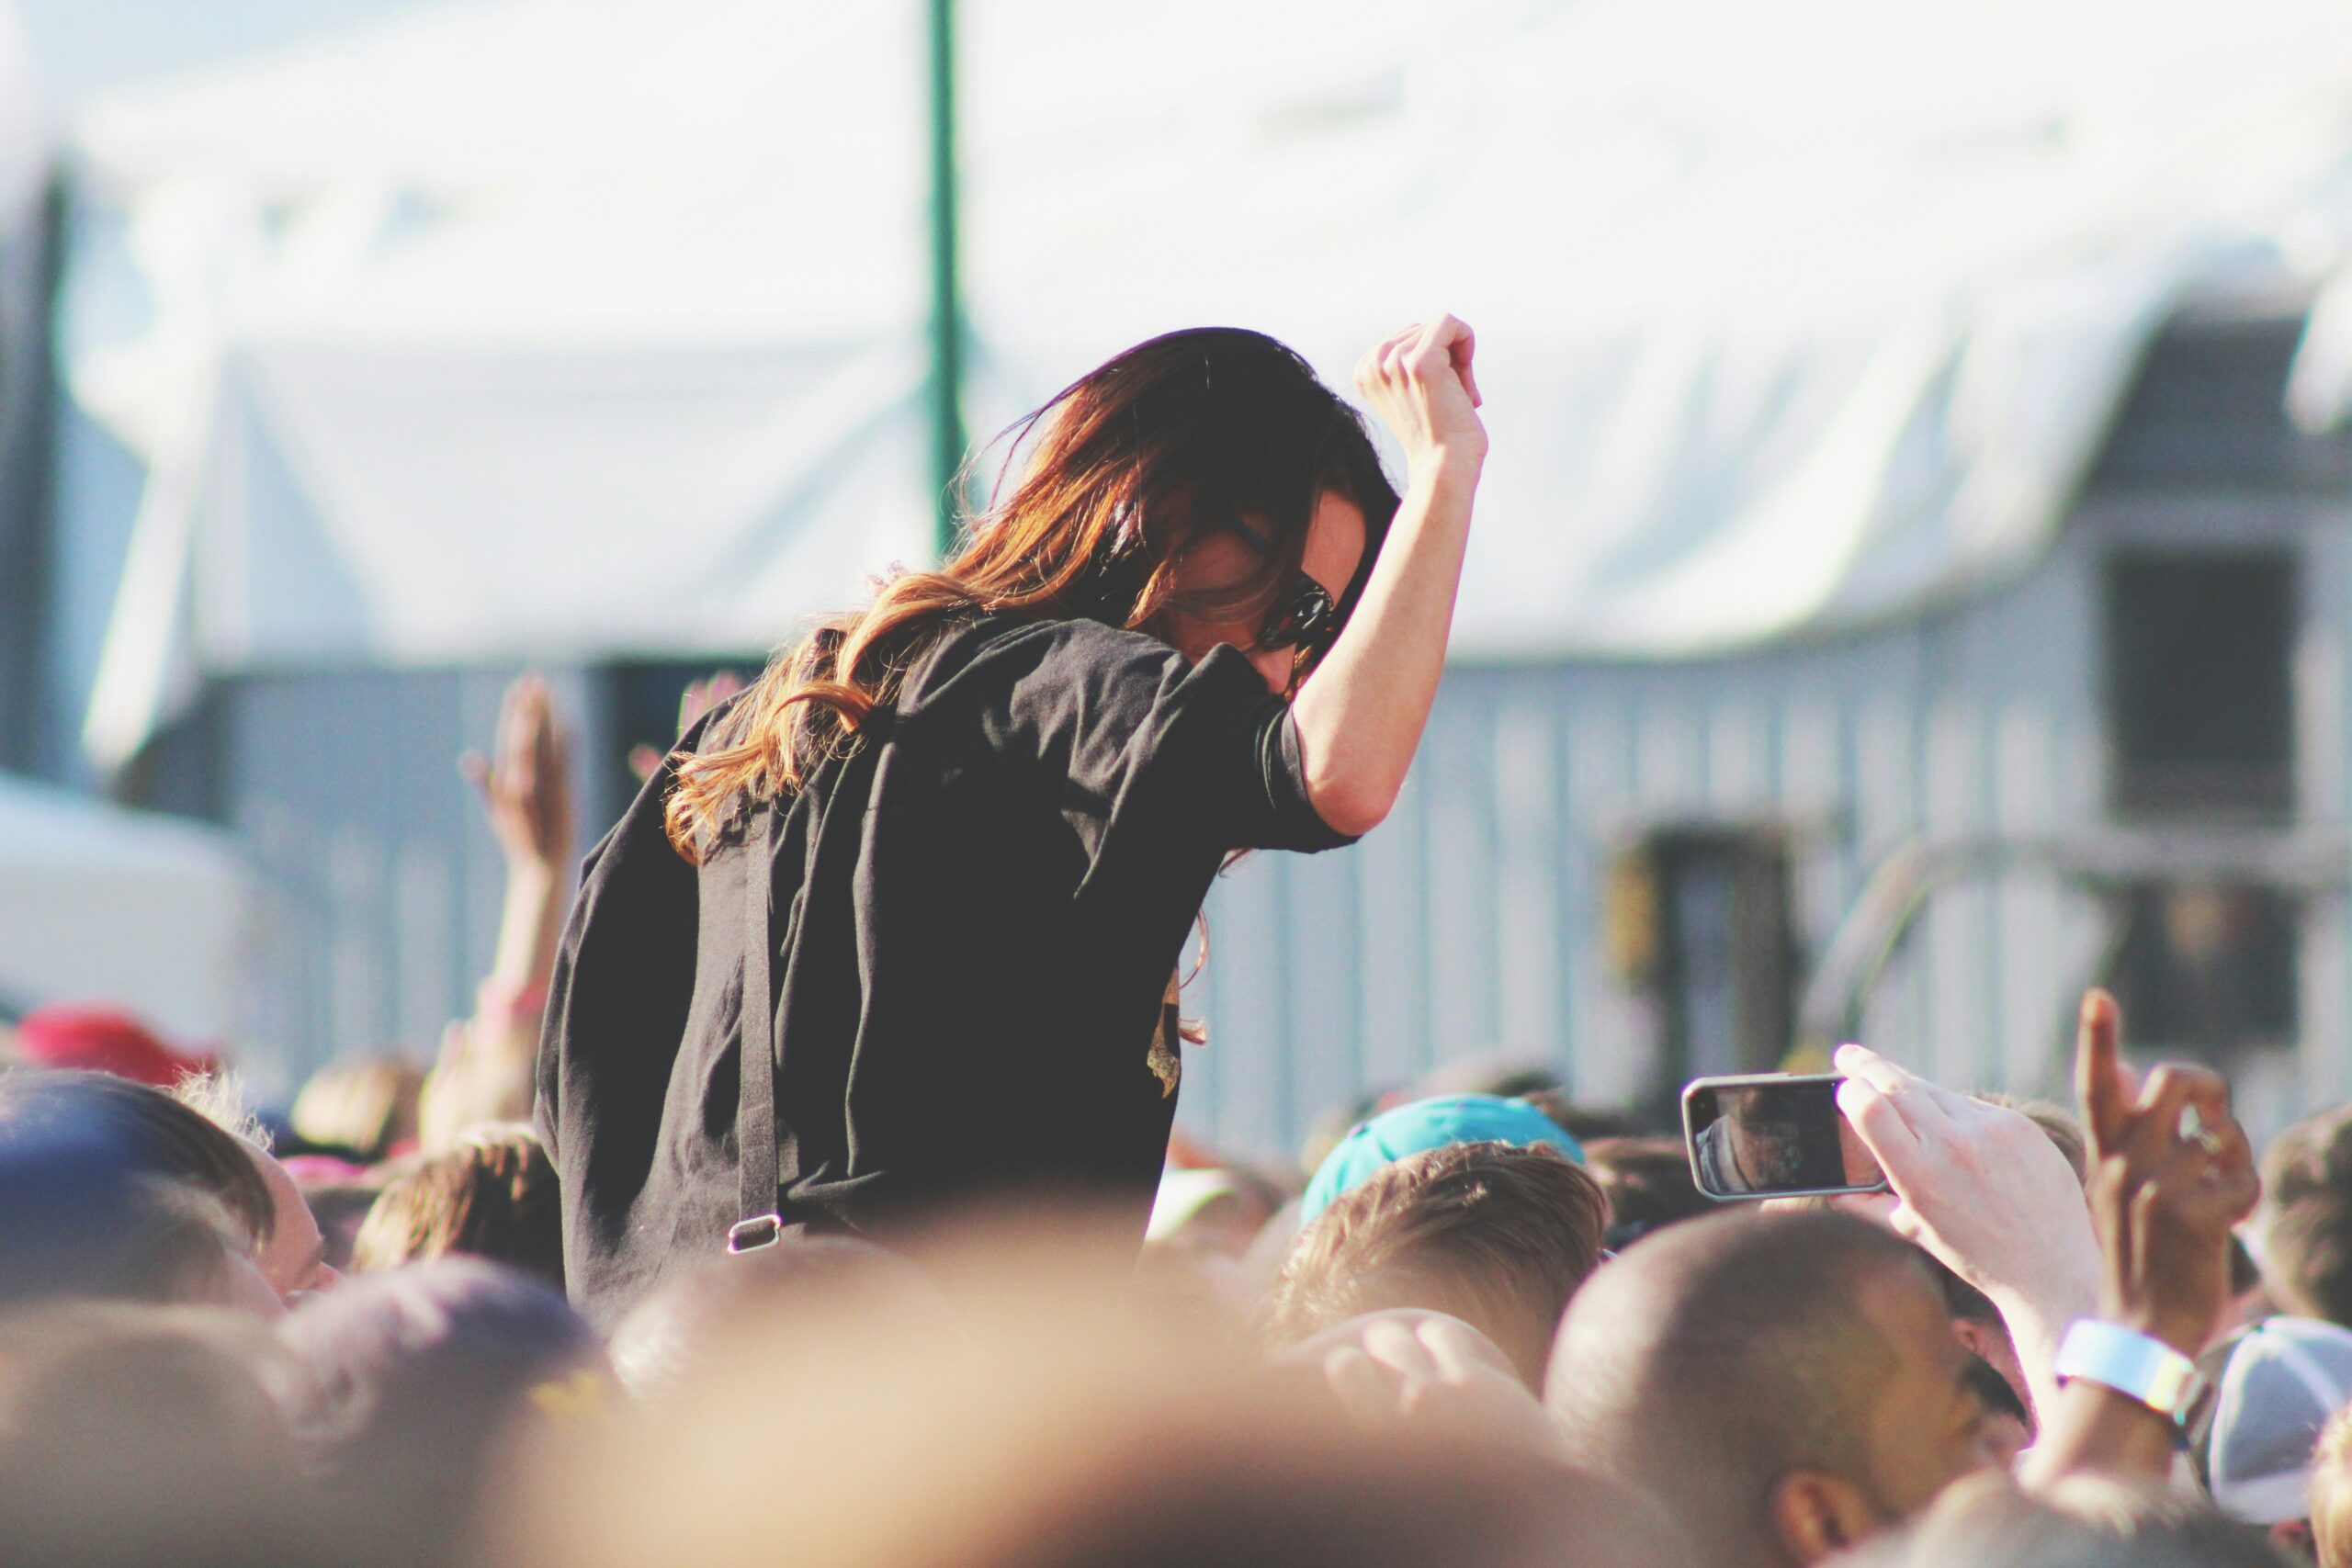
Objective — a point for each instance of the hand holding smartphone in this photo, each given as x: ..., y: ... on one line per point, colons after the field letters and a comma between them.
x: 1774, y: 1136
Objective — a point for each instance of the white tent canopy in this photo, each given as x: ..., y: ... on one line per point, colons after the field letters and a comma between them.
x: 587, y: 327
x: 24, y: 135
x: 102, y: 904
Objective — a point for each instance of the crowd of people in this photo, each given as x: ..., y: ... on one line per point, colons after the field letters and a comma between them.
x: 1477, y: 1321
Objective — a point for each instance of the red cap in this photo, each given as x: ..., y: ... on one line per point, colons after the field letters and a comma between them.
x: 105, y: 1040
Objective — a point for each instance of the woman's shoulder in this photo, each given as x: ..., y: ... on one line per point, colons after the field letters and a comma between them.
x: 998, y: 653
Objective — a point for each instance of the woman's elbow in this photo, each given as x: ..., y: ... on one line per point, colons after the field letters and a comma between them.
x: 1351, y: 808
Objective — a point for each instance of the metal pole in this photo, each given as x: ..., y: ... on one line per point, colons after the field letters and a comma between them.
x: 946, y: 311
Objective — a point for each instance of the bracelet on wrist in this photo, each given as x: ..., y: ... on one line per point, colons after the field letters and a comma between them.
x: 2137, y: 1365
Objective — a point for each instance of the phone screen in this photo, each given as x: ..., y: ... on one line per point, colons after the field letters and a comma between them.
x: 1768, y: 1137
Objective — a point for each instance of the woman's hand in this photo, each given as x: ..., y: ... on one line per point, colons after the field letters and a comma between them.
x: 1362, y: 711
x: 1419, y: 383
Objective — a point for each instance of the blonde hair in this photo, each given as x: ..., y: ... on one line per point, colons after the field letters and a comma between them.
x: 220, y: 1098
x: 367, y: 1106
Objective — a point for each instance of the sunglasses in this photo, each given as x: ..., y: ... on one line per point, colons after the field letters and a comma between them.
x: 1307, y: 620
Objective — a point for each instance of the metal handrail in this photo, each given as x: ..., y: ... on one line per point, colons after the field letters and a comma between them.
x: 2300, y: 861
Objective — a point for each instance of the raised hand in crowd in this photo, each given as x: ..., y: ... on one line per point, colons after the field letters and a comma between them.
x: 1361, y: 713
x: 483, y: 1070
x: 2171, y: 1176
x: 699, y: 698
x: 1981, y: 1188
x: 1420, y: 382
x: 525, y: 784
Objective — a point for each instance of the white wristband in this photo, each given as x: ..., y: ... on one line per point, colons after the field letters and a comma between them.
x: 2133, y: 1365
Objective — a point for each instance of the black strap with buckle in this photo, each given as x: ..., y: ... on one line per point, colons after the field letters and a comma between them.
x: 758, y: 1178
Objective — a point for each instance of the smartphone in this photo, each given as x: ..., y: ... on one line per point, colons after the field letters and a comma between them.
x: 1774, y: 1136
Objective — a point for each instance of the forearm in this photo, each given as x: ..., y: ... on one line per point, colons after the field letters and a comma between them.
x: 1361, y: 713
x: 2038, y: 1320
x: 530, y: 926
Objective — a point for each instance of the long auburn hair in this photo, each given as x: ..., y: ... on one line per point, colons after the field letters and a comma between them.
x: 1173, y: 441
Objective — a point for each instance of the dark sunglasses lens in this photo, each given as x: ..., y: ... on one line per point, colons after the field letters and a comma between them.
x: 1305, y: 620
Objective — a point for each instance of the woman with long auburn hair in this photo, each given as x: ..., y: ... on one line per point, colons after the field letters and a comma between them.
x: 939, y: 864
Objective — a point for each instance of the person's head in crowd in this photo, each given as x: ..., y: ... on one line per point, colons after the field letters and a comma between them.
x: 669, y: 1338
x: 1498, y: 1235
x: 2306, y: 1227
x: 1424, y: 1124
x: 1065, y: 1426
x: 113, y: 1189
x: 2008, y: 1420
x: 106, y: 1040
x: 2275, y: 1387
x: 293, y: 1255
x: 1977, y: 1324
x: 2314, y: 1156
x: 2328, y: 1505
x: 1801, y: 1363
x: 1975, y: 1321
x: 411, y: 1383
x: 2079, y: 1522
x: 1648, y: 1184
x: 142, y: 1436
x: 367, y: 1106
x: 493, y: 1196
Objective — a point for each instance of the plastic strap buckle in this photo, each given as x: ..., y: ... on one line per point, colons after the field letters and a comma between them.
x: 751, y: 1235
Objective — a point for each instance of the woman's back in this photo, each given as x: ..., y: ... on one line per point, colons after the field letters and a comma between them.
x: 973, y: 915
x: 955, y: 840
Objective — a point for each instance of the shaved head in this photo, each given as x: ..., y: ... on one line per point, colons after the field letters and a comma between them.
x: 1720, y: 1358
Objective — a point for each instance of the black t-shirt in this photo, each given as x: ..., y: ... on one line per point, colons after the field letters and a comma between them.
x: 977, y: 915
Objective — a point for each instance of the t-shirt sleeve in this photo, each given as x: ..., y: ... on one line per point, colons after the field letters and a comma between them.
x: 1152, y: 741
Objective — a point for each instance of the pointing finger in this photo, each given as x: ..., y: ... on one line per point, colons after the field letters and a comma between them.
x: 2097, y: 1083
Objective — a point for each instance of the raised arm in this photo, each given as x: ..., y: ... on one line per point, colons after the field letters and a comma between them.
x: 1984, y: 1190
x: 1361, y: 713
x: 484, y: 1068
x: 2165, y: 1189
x: 526, y: 794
